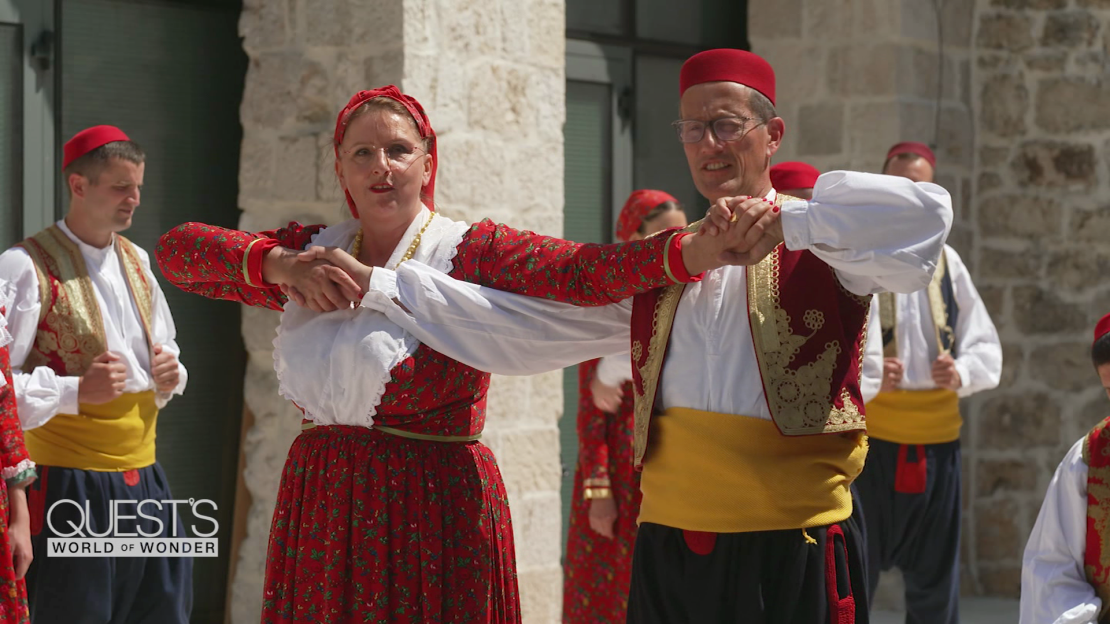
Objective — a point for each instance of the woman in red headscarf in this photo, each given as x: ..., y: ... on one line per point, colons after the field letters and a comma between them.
x: 389, y: 508
x: 606, y: 496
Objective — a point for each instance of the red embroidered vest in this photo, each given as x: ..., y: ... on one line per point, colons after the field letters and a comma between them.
x: 1096, y: 556
x: 71, y: 330
x: 809, y: 334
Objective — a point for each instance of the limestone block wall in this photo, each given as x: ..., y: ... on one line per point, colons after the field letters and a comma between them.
x: 1041, y: 217
x: 491, y: 76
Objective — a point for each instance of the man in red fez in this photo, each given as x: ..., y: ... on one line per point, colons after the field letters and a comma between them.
x: 751, y: 429
x: 937, y: 345
x: 1065, y: 573
x: 795, y: 179
x: 911, y: 160
x: 94, y: 357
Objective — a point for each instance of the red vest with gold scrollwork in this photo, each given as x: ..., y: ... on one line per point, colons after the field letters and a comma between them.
x: 71, y: 331
x: 809, y: 334
x: 1096, y: 556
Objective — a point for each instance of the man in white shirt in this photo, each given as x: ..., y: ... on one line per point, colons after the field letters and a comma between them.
x: 94, y: 358
x: 939, y: 344
x: 1065, y: 573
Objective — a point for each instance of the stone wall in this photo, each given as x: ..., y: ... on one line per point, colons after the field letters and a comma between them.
x: 1042, y: 233
x: 491, y: 75
x: 1023, y: 142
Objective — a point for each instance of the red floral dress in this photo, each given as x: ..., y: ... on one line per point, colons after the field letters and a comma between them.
x: 598, y: 570
x: 373, y: 527
x: 16, y: 467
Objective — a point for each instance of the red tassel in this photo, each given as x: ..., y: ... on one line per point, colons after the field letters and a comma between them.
x: 910, y: 477
x: 36, y: 501
x: 700, y: 542
x: 131, y: 477
x: 841, y: 610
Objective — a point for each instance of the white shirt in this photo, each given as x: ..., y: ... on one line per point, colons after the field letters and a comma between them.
x: 978, y: 350
x: 877, y: 232
x: 614, y: 370
x: 1054, y: 587
x: 41, y: 393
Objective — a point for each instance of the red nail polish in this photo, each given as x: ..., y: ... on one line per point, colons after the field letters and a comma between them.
x: 775, y: 209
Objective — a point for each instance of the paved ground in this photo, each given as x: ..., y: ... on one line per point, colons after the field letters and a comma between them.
x: 972, y: 611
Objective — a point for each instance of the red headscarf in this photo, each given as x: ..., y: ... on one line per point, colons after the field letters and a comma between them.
x: 910, y: 147
x: 794, y: 175
x: 89, y: 139
x: 423, y: 126
x: 636, y: 208
x: 1103, y: 327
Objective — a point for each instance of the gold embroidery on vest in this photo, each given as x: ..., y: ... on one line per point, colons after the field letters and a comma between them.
x: 141, y: 289
x: 798, y: 397
x: 937, y: 308
x: 74, y: 329
x: 652, y: 370
x: 1098, y: 515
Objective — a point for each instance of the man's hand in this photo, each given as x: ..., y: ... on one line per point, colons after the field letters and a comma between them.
x: 945, y: 374
x: 603, y: 514
x: 165, y: 369
x: 104, y: 380
x: 606, y: 398
x: 317, y: 284
x: 892, y: 374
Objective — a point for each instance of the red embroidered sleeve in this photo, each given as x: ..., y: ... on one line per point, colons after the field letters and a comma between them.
x: 583, y: 274
x: 15, y: 463
x: 219, y: 263
x: 593, y: 448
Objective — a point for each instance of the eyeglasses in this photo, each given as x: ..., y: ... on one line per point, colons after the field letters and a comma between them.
x: 724, y: 129
x: 397, y: 156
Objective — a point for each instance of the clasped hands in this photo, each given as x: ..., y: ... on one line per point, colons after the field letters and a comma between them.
x: 736, y: 230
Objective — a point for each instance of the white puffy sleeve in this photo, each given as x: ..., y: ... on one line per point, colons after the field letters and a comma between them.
x: 492, y: 330
x: 879, y: 232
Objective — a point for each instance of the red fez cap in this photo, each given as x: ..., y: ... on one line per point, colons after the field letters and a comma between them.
x: 89, y: 139
x: 794, y: 175
x: 909, y: 147
x: 1103, y: 327
x: 726, y: 65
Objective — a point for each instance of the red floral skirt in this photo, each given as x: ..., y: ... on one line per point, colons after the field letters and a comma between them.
x: 372, y: 527
x: 13, y: 593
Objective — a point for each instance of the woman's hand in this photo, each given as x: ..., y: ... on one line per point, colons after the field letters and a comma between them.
x: 358, y: 273
x: 312, y: 282
x: 19, y: 530
x: 603, y: 514
x: 606, y: 398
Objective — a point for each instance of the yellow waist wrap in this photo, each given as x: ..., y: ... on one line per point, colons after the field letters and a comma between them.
x: 113, y: 437
x: 915, y: 416
x: 729, y: 474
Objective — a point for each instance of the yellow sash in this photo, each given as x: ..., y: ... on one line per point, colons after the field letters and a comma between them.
x: 113, y: 437
x: 730, y: 474
x: 915, y: 416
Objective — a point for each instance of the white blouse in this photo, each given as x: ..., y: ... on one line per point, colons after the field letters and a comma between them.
x: 336, y: 365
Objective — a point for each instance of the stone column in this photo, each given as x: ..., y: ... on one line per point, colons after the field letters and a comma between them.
x: 491, y: 76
